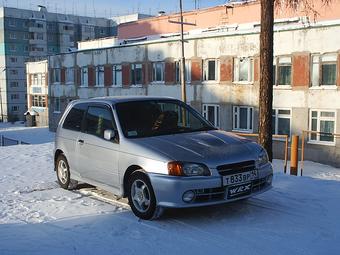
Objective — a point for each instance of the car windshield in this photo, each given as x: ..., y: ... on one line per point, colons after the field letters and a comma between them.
x: 159, y: 117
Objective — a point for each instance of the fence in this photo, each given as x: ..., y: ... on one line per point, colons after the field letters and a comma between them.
x: 5, y: 141
x: 286, y: 140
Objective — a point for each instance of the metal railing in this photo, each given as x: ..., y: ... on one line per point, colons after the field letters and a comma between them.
x: 286, y: 140
x: 5, y: 141
x: 306, y: 135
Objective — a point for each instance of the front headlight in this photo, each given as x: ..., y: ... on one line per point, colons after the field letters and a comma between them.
x: 262, y: 158
x: 177, y: 168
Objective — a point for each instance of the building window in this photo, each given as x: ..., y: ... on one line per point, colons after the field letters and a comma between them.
x: 324, y: 70
x: 38, y: 101
x: 56, y: 75
x: 281, y: 121
x: 12, y: 22
x: 210, y: 70
x: 187, y: 71
x: 40, y: 36
x: 57, y: 104
x: 69, y: 75
x: 158, y: 72
x: 117, y: 75
x: 282, y: 73
x: 35, y: 79
x: 12, y: 36
x: 100, y: 75
x: 12, y: 47
x: 13, y: 72
x: 243, y: 69
x: 14, y: 84
x: 243, y: 118
x: 211, y: 112
x: 136, y: 74
x: 13, y: 60
x: 84, y: 76
x: 15, y: 96
x: 323, y: 122
x: 15, y: 108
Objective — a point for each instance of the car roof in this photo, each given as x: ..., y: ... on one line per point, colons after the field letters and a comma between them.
x: 120, y: 99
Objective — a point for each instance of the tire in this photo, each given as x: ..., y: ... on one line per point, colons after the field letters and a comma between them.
x: 141, y: 197
x: 63, y: 173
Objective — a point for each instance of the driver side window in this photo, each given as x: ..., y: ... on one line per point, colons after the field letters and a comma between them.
x: 98, y: 119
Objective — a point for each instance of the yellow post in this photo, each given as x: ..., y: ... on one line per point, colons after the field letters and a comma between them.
x: 294, y: 155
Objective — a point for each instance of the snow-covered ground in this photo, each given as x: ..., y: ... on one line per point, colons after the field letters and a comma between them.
x: 31, y: 135
x: 300, y: 215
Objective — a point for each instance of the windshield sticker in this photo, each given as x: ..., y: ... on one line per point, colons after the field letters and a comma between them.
x: 132, y: 133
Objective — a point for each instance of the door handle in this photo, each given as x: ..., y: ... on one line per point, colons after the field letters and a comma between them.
x: 81, y: 141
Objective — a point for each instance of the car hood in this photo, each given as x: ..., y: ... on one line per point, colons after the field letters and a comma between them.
x: 212, y: 148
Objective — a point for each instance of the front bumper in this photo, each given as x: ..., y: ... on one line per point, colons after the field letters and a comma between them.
x: 169, y: 190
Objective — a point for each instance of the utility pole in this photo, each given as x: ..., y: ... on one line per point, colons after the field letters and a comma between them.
x: 183, y: 80
x: 182, y: 71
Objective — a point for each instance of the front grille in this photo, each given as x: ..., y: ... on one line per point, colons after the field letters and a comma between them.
x: 236, y: 168
x: 212, y: 194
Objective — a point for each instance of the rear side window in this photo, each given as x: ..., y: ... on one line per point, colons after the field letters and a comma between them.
x: 99, y: 119
x: 75, y: 117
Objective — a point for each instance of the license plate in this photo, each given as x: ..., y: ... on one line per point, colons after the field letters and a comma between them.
x: 239, y: 178
x: 239, y: 190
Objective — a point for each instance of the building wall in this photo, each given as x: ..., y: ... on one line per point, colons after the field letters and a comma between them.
x: 37, y: 91
x: 231, y: 14
x: 295, y: 42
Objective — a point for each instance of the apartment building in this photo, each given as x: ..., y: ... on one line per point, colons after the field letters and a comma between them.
x: 222, y: 73
x: 27, y: 35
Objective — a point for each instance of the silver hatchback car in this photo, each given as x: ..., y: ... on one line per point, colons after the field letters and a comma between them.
x: 158, y: 152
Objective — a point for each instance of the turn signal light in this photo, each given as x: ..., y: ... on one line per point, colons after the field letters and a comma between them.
x: 175, y: 168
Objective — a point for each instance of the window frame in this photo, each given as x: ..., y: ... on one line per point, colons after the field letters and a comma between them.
x: 205, y: 70
x: 84, y: 72
x: 160, y: 64
x: 249, y: 123
x: 57, y: 109
x: 103, y: 106
x: 100, y: 75
x: 217, y: 114
x: 187, y: 71
x: 133, y: 72
x: 69, y: 73
x: 277, y: 116
x: 56, y: 73
x: 114, y: 75
x: 319, y: 119
x: 319, y: 63
x: 250, y: 70
x: 276, y: 66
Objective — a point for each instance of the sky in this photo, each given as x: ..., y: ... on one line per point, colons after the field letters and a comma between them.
x: 109, y: 8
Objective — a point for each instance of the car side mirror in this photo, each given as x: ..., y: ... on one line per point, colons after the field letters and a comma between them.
x: 110, y: 134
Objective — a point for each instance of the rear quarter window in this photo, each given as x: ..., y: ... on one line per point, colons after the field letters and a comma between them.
x: 74, y: 118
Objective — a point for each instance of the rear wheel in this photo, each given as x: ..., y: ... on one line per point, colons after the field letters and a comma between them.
x: 142, y: 197
x: 63, y: 173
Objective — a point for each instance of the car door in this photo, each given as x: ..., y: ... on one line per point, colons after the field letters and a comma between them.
x: 70, y: 132
x: 97, y: 157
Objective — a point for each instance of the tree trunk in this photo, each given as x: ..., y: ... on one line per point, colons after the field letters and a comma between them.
x: 266, y: 76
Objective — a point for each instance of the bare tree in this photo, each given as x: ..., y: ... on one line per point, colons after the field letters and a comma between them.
x: 266, y: 62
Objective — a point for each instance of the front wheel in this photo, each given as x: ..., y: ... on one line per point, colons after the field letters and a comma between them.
x: 63, y: 173
x: 141, y: 196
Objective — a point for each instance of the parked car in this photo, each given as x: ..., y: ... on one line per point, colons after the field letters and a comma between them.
x: 159, y: 152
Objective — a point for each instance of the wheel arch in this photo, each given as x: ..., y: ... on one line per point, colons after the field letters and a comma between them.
x: 57, y: 153
x: 131, y: 169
